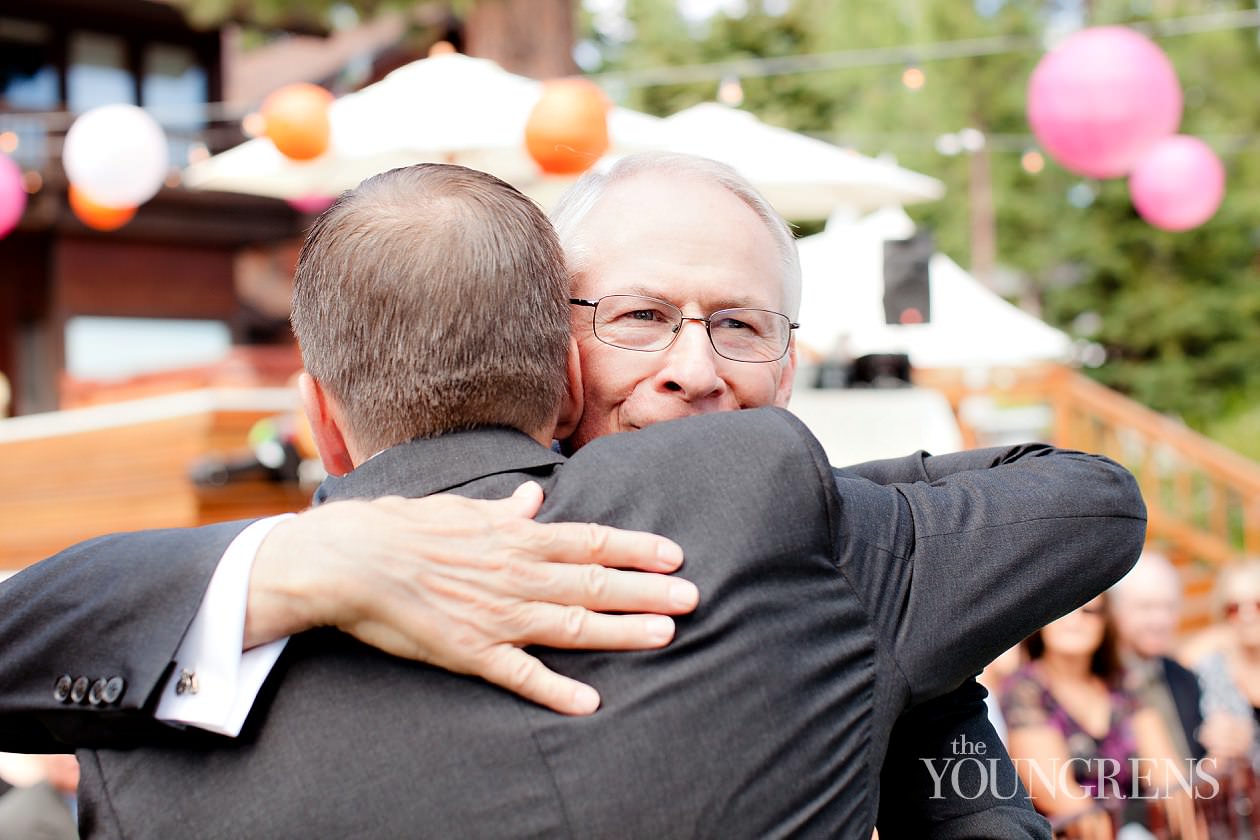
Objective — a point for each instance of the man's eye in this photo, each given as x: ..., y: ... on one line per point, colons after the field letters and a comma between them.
x: 644, y: 315
x: 732, y: 324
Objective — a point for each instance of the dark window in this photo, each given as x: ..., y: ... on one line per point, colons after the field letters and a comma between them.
x: 28, y: 78
x: 99, y: 72
x: 174, y: 89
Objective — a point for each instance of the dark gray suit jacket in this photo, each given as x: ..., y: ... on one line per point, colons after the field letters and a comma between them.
x: 820, y: 623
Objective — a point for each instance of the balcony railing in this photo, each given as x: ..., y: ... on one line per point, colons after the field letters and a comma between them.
x: 1203, y: 500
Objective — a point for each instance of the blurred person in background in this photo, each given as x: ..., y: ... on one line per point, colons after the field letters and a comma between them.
x: 1083, y: 744
x: 1227, y: 660
x: 39, y: 800
x: 1146, y: 610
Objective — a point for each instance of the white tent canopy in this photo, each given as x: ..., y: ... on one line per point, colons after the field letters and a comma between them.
x: 802, y: 177
x: 455, y: 109
x: 448, y: 109
x: 842, y: 308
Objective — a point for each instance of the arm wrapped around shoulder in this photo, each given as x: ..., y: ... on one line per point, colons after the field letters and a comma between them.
x: 1005, y: 548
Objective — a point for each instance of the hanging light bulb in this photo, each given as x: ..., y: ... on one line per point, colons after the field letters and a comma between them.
x: 913, y: 78
x: 1032, y: 161
x: 731, y: 92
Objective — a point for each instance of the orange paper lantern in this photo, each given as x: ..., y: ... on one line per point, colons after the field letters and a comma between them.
x: 96, y: 215
x: 567, y: 130
x: 296, y: 117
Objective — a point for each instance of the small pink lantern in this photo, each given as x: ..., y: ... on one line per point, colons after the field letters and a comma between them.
x: 311, y: 203
x: 1100, y: 99
x: 12, y: 195
x: 1178, y: 184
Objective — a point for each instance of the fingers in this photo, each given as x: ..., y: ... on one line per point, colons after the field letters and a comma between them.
x: 574, y: 627
x: 583, y: 542
x: 519, y: 672
x: 597, y: 588
x: 527, y: 499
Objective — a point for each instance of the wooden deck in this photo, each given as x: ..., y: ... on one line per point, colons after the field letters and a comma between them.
x: 76, y: 474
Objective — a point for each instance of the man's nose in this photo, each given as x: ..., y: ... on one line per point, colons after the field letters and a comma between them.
x: 690, y: 368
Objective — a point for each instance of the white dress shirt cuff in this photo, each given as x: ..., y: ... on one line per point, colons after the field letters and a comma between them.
x: 214, y: 684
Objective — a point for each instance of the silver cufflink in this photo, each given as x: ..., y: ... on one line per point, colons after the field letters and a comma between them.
x: 187, y: 683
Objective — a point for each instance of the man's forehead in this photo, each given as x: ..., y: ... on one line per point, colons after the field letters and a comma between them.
x: 671, y: 237
x: 668, y: 195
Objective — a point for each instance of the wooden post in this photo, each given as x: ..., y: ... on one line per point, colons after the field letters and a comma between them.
x: 530, y: 37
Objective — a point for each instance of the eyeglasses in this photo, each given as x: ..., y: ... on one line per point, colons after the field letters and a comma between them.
x: 633, y: 322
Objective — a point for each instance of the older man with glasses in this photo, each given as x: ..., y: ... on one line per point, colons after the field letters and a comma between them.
x: 685, y: 286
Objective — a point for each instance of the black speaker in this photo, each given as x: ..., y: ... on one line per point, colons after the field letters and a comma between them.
x: 881, y: 370
x: 907, y: 286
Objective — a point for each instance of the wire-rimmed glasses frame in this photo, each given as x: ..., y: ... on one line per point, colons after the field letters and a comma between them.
x: 649, y: 325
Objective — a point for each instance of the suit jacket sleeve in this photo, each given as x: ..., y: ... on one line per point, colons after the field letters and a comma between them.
x: 914, y: 802
x: 939, y: 783
x: 116, y: 606
x: 987, y: 547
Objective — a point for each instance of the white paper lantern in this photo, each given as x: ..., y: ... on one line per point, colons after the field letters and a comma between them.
x: 117, y: 155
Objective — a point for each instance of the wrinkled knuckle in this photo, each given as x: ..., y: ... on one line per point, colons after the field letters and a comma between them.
x: 520, y: 673
x: 595, y: 582
x: 532, y: 536
x: 573, y: 623
x: 524, y: 573
x: 514, y: 620
x: 596, y: 538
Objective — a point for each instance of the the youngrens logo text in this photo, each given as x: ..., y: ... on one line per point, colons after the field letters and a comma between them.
x: 971, y: 773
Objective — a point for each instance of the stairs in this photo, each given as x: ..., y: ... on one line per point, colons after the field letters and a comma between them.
x: 1203, y: 500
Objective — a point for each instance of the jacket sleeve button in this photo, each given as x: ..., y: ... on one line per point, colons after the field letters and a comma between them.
x: 78, y: 691
x: 114, y: 689
x: 61, y: 688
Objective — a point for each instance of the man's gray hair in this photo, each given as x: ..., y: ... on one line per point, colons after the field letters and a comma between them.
x: 578, y: 201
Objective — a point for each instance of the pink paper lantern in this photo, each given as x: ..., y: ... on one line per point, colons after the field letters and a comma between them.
x: 1101, y: 99
x: 1178, y: 184
x: 311, y: 203
x: 12, y: 195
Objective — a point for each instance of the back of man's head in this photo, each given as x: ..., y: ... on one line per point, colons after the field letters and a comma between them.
x: 430, y: 299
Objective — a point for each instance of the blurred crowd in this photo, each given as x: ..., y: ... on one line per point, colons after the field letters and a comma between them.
x: 1120, y: 727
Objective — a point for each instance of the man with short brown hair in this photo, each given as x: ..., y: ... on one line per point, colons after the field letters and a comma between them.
x: 360, y: 296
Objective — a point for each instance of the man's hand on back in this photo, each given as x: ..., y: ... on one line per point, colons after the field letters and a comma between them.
x: 464, y: 584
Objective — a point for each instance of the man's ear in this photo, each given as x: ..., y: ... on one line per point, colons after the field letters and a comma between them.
x: 571, y: 405
x: 325, y: 422
x: 787, y: 375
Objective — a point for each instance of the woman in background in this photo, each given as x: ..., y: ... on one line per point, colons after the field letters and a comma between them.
x: 1082, y: 745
